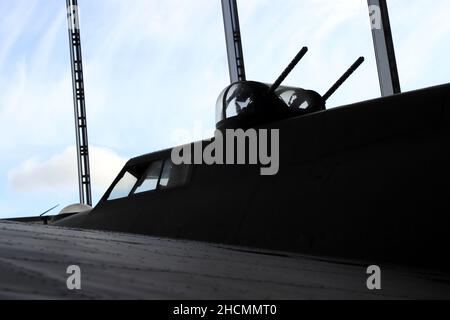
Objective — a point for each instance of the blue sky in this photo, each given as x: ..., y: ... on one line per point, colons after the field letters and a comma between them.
x: 153, y: 71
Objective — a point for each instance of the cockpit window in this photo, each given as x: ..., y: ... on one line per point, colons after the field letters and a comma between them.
x: 247, y: 103
x: 159, y: 174
x: 165, y: 175
x: 294, y: 98
x: 239, y: 97
x: 150, y: 180
x: 173, y: 176
x: 123, y: 188
x: 235, y: 100
x: 290, y: 97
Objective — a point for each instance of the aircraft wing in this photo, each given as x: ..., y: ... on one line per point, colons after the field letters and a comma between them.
x: 34, y: 261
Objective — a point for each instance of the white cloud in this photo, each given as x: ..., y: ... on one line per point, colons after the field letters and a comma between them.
x: 37, y: 112
x: 60, y: 171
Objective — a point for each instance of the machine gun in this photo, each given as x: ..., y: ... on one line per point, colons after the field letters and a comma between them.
x: 245, y: 104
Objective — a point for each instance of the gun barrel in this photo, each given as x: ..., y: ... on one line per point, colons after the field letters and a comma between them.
x: 344, y: 78
x: 289, y: 69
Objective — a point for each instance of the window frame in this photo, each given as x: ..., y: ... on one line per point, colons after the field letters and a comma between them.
x: 144, y: 176
x: 158, y: 186
x: 116, y: 183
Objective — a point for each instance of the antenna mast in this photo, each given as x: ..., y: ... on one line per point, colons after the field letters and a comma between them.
x: 233, y: 40
x: 384, y: 47
x: 84, y: 179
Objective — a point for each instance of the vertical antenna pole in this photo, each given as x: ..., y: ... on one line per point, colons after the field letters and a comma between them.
x: 233, y: 40
x: 84, y: 179
x: 384, y: 47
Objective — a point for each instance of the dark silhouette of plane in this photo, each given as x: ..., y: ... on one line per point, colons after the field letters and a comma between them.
x: 367, y: 181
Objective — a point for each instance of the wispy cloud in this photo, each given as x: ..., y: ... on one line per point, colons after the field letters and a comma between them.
x: 14, y: 24
x: 60, y: 171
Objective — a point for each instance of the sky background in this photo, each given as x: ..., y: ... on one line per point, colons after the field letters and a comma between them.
x: 154, y: 69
